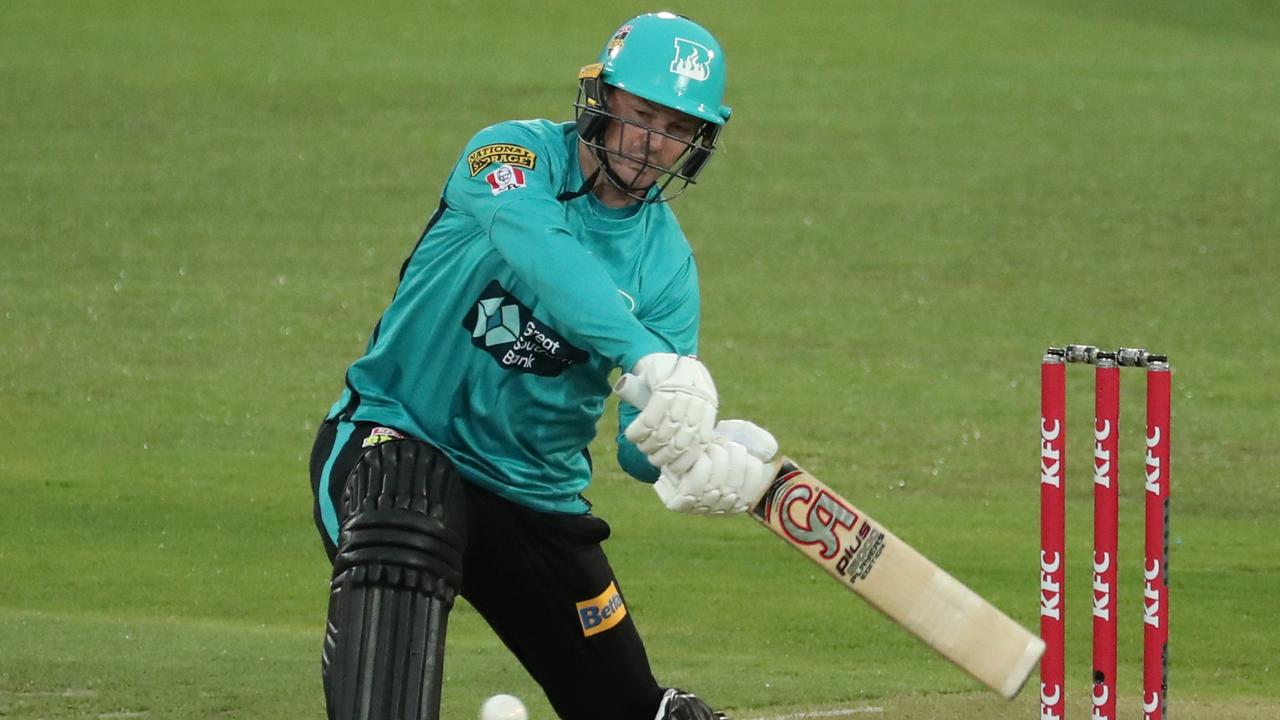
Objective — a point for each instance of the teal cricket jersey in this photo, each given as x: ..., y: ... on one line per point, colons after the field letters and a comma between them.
x: 513, y: 309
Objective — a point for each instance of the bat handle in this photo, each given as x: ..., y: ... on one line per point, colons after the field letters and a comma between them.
x: 632, y: 389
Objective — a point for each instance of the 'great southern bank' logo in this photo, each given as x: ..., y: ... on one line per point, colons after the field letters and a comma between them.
x: 503, y: 327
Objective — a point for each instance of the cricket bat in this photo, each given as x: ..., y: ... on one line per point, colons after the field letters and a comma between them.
x: 894, y: 577
x: 897, y: 580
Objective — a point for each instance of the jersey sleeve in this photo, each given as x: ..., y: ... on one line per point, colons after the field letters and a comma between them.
x: 509, y: 178
x: 674, y: 317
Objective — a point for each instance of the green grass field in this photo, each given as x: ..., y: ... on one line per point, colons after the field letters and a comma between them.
x: 203, y: 210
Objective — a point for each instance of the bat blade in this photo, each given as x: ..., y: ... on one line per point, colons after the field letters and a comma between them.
x: 897, y: 580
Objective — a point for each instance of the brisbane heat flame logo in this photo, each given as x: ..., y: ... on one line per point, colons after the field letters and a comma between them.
x: 692, y: 60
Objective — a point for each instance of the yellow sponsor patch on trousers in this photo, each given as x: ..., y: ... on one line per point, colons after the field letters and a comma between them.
x: 602, y: 611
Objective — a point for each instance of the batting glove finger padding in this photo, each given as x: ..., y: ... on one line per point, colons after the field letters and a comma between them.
x: 685, y: 460
x: 680, y: 412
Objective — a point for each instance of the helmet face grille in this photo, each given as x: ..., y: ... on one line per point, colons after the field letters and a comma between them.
x: 670, y: 61
x: 593, y: 117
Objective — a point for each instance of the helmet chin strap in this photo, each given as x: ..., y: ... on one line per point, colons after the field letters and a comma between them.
x: 602, y: 167
x: 602, y: 163
x: 587, y: 186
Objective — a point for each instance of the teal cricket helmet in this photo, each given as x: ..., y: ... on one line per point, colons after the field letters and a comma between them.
x: 666, y: 59
x: 670, y: 60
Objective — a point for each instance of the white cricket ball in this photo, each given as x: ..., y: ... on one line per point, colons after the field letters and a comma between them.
x: 503, y: 707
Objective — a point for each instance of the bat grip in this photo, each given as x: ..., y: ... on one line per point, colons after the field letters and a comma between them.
x: 632, y: 389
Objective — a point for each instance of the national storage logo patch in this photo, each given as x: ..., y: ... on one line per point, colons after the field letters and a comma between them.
x: 503, y: 154
x: 602, y: 611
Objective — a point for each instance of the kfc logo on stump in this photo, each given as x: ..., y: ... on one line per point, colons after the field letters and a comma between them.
x: 505, y: 178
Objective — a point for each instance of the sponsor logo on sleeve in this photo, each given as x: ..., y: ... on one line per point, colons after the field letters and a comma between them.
x: 505, y: 328
x: 505, y: 178
x: 500, y: 154
x: 602, y: 611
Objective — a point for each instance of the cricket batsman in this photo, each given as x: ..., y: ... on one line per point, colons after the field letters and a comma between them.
x: 455, y: 459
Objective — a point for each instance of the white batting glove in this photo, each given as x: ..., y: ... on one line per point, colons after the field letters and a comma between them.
x: 758, y: 441
x: 727, y: 478
x: 676, y: 422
